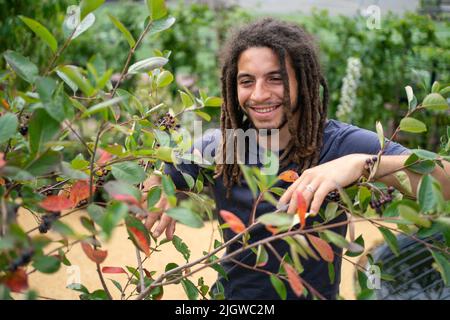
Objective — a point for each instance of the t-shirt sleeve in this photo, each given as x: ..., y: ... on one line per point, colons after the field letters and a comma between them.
x: 206, y: 145
x: 353, y: 139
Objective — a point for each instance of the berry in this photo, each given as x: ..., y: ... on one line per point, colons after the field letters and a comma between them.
x: 23, y: 130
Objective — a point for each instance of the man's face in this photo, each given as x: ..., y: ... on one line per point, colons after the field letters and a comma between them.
x: 261, y: 89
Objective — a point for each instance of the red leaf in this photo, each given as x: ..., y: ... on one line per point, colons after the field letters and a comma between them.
x: 129, y: 199
x: 236, y: 225
x: 104, y: 156
x: 294, y: 280
x: 301, y: 209
x: 322, y: 247
x: 288, y: 176
x: 2, y: 160
x: 98, y: 256
x: 80, y: 192
x: 17, y: 281
x: 113, y: 270
x: 56, y: 203
x: 141, y: 239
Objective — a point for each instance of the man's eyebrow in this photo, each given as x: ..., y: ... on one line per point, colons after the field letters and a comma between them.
x: 271, y: 73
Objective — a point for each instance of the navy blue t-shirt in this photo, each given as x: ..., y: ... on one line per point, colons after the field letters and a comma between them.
x: 339, y: 139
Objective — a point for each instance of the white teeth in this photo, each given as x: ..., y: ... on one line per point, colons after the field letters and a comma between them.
x: 265, y: 110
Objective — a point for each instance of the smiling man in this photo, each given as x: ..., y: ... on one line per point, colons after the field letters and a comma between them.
x: 271, y: 79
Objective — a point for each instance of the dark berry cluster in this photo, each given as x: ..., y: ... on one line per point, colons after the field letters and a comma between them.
x: 333, y: 196
x: 383, y: 200
x: 47, y: 221
x: 168, y: 121
x: 23, y: 129
x: 45, y: 190
x: 102, y: 178
x: 82, y: 203
x: 22, y: 260
x: 370, y: 162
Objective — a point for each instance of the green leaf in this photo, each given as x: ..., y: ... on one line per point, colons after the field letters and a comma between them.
x: 186, y: 99
x: 443, y: 266
x: 62, y: 228
x: 249, y: 179
x: 42, y: 129
x: 429, y: 194
x: 410, y: 214
x: 74, y: 74
x: 8, y: 126
x: 46, y: 264
x: 435, y: 87
x: 404, y: 181
x: 114, y: 213
x: 203, y: 115
x: 161, y: 25
x: 330, y: 211
x: 279, y: 286
x: 147, y: 65
x: 189, y: 180
x: 153, y: 196
x: 121, y: 187
x: 41, y: 32
x: 360, y: 242
x: 213, y: 102
x: 331, y: 273
x: 22, y: 66
x: 262, y: 256
x: 70, y: 173
x: 190, y: 289
x: 85, y: 24
x: 45, y: 163
x: 164, y: 79
x: 276, y: 219
x: 340, y: 241
x: 421, y: 167
x: 168, y: 185
x: 123, y: 29
x: 409, y: 124
x: 181, y: 247
x: 185, y: 216
x: 102, y: 106
x: 72, y: 85
x: 129, y: 172
x: 435, y: 101
x: 412, y: 101
x: 390, y: 239
x: 380, y: 134
x: 87, y: 6
x: 156, y: 9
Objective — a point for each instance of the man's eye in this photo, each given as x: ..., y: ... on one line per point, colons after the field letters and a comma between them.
x: 246, y: 82
x: 275, y: 79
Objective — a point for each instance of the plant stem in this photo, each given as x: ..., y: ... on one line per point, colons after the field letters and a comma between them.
x: 102, y: 280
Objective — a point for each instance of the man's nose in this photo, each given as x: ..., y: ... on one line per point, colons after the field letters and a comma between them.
x: 260, y: 92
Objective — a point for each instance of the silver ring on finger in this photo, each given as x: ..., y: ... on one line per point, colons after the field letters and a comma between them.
x: 310, y: 188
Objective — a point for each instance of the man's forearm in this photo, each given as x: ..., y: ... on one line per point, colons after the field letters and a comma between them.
x: 390, y: 164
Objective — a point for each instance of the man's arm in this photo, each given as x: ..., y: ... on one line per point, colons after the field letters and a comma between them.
x: 315, y: 183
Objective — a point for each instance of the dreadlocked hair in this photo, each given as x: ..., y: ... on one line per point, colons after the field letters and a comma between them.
x: 286, y: 40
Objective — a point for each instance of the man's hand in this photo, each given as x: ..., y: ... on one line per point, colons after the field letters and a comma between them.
x: 315, y: 183
x: 165, y: 222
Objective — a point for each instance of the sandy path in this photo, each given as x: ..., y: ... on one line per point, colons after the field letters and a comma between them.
x: 121, y: 253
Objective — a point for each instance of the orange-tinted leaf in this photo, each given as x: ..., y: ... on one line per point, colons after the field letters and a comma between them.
x: 322, y: 247
x: 2, y: 181
x: 5, y: 104
x: 294, y: 280
x: 129, y: 199
x: 113, y: 270
x: 56, y: 203
x: 236, y: 225
x: 98, y: 256
x: 17, y: 281
x: 104, y: 156
x: 2, y: 159
x: 140, y: 239
x: 80, y: 192
x: 288, y: 176
x: 301, y: 209
x: 272, y: 229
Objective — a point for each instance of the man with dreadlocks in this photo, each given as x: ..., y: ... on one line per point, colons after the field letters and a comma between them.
x: 271, y: 79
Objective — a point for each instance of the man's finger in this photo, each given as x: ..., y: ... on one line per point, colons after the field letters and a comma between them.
x: 162, y: 225
x: 319, y: 197
x: 152, y: 217
x: 171, y: 230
